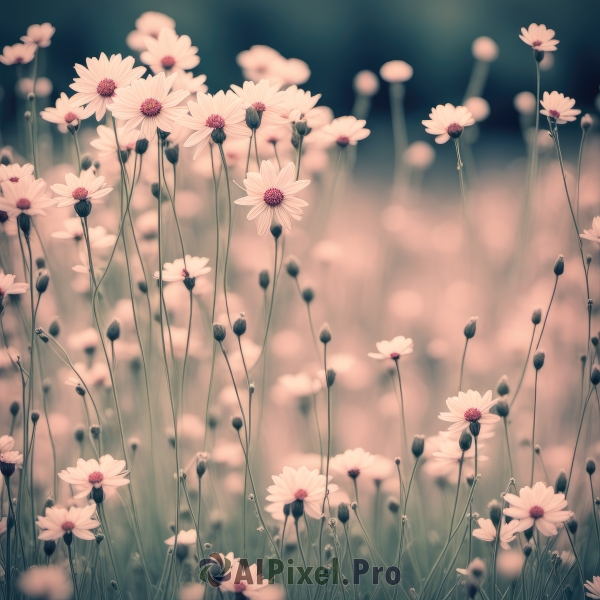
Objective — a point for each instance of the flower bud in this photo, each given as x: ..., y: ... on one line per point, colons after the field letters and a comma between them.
x: 114, y: 330
x: 559, y: 265
x: 83, y: 208
x: 155, y: 189
x: 142, y: 287
x: 86, y: 162
x: 276, y: 231
x: 475, y: 428
x: 79, y: 433
x: 343, y: 512
x: 253, y: 118
x: 201, y: 466
x: 24, y: 222
x: 302, y: 128
x: 536, y: 317
x: 237, y: 423
x: 502, y: 408
x: 14, y: 408
x: 35, y: 417
x: 538, y: 55
x: 40, y: 262
x: 292, y: 266
x: 465, y: 441
x: 218, y: 136
x: 49, y: 547
x: 502, y: 386
x: 572, y: 525
x: 330, y: 377
x: 538, y: 360
x: 43, y: 279
x: 297, y: 509
x: 590, y: 466
x: 561, y: 482
x: 264, y: 279
x: 495, y: 512
x: 528, y: 533
x: 393, y: 505
x: 239, y: 325
x: 418, y: 445
x: 141, y: 146
x: 308, y: 295
x: 586, y: 122
x: 219, y: 332
x: 595, y: 375
x: 95, y: 431
x: 470, y: 328
x: 527, y: 549
x: 325, y: 334
x: 172, y: 154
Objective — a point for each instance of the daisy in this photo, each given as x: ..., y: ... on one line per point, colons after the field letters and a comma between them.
x: 98, y: 236
x: 7, y: 443
x: 60, y: 522
x: 256, y: 62
x: 96, y: 85
x: 64, y: 114
x: 187, y: 81
x: 593, y: 587
x: 272, y: 195
x: 150, y: 24
x: 26, y: 196
x: 346, y: 130
x: 9, y: 461
x: 592, y: 234
x: 106, y: 144
x: 302, y: 484
x: 15, y: 172
x: 469, y: 407
x: 289, y: 71
x: 538, y: 506
x: 8, y: 286
x: 448, y: 121
x: 40, y: 35
x: 90, y: 475
x: 352, y: 462
x: 223, y: 113
x: 170, y: 52
x: 18, y: 54
x: 539, y: 38
x: 265, y: 98
x: 50, y: 583
x: 80, y: 190
x: 182, y: 269
x: 299, y: 104
x: 559, y: 107
x: 394, y: 349
x: 487, y: 533
x: 184, y: 538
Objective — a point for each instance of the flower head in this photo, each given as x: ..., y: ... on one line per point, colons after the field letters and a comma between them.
x: 263, y: 62
x: 352, y: 462
x: 394, y: 349
x: 107, y: 474
x: 106, y: 144
x: 487, y: 532
x: 539, y: 37
x: 8, y: 286
x: 469, y: 407
x: 40, y: 35
x: 448, y: 121
x: 26, y: 196
x: 299, y: 104
x: 98, y: 236
x: 272, y: 194
x: 60, y: 521
x: 150, y: 23
x: 65, y: 113
x: 9, y: 461
x: 592, y: 234
x: 77, y: 189
x: 265, y: 98
x: 559, y: 107
x: 18, y: 54
x: 15, y: 172
x: 180, y: 269
x: 170, y: 52
x: 346, y: 131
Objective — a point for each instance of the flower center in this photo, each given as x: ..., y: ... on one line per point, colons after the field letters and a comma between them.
x: 472, y: 415
x: 106, y: 87
x: 260, y: 107
x: 537, y: 512
x: 273, y: 197
x: 554, y: 114
x: 14, y: 179
x: 354, y: 473
x: 150, y: 107
x: 537, y: 43
x: 167, y: 62
x: 23, y: 204
x: 68, y: 525
x: 215, y: 122
x: 301, y: 494
x: 80, y: 193
x: 454, y: 130
x: 239, y: 587
x: 395, y: 355
x: 95, y: 477
x: 343, y: 140
x: 70, y: 117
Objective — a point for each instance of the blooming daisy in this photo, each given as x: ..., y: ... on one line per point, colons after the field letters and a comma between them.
x: 15, y: 172
x: 265, y: 98
x: 299, y: 104
x: 352, y: 462
x: 106, y: 144
x: 90, y: 475
x: 593, y: 587
x: 40, y: 35
x: 222, y: 112
x: 85, y: 188
x: 538, y: 506
x: 96, y: 85
x: 302, y: 484
x: 18, y: 54
x: 469, y: 407
x: 150, y: 24
x: 64, y: 114
x: 60, y: 521
x: 185, y: 538
x: 49, y: 583
x: 394, y: 349
x: 26, y: 196
x: 180, y: 269
x: 346, y: 130
x: 148, y: 102
x: 487, y: 533
x: 170, y: 52
x: 539, y: 37
x: 592, y: 234
x: 8, y: 286
x: 559, y: 107
x: 9, y: 461
x: 272, y: 195
x: 448, y: 121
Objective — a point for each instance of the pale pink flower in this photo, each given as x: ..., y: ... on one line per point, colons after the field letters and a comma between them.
x: 299, y: 104
x: 265, y: 98
x: 106, y: 144
x: 539, y: 37
x: 394, y: 349
x: 487, y: 532
x: 352, y: 462
x: 50, y: 583
x: 40, y: 35
x: 18, y: 54
x: 26, y: 196
x: 170, y: 52
x: 15, y: 172
x: 65, y: 113
x: 469, y: 407
x: 180, y: 269
x: 8, y: 286
x: 559, y: 107
x: 592, y: 234
x: 346, y: 131
x: 108, y: 474
x: 396, y: 71
x: 60, y: 521
x: 150, y: 23
x: 448, y: 121
x: 85, y: 187
x: 184, y: 538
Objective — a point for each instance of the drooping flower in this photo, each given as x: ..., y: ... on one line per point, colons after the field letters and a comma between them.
x: 593, y: 588
x: 8, y: 286
x: 170, y: 52
x: 469, y: 407
x: 150, y: 23
x: 18, y: 54
x: 222, y: 112
x: 487, y: 532
x: 79, y: 189
x: 352, y: 462
x: 60, y: 521
x: 106, y: 144
x: 448, y: 121
x: 539, y: 37
x: 15, y: 172
x: 184, y: 538
x: 65, y: 113
x: 26, y: 196
x: 148, y: 102
x: 180, y: 269
x: 394, y: 349
x: 559, y: 107
x: 49, y: 583
x: 538, y: 507
x: 593, y: 234
x: 272, y: 195
x: 89, y: 475
x: 346, y: 131
x: 40, y: 35
x: 265, y: 98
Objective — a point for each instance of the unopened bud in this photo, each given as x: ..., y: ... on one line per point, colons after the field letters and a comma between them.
x: 308, y: 295
x: 527, y: 549
x: 276, y: 231
x: 172, y: 154
x: 418, y: 445
x: 54, y: 328
x: 43, y: 279
x: 470, y: 328
x: 465, y: 441
x: 538, y: 360
x: 502, y: 408
x: 393, y: 505
x: 595, y: 375
x: 253, y: 118
x: 95, y: 431
x: 79, y: 433
x: 536, y: 317
x: 35, y: 417
x: 297, y: 509
x: 559, y: 265
x: 14, y: 408
x: 239, y: 325
x: 330, y: 377
x: 219, y: 332
x: 475, y: 428
x: 561, y: 483
x: 572, y: 525
x: 586, y: 122
x: 590, y: 466
x: 141, y: 146
x: 86, y: 162
x: 302, y: 128
x: 292, y: 266
x: 155, y: 189
x: 343, y: 512
x: 237, y: 423
x: 325, y: 334
x: 495, y: 512
x: 264, y: 279
x: 502, y: 386
x: 218, y: 136
x: 114, y: 330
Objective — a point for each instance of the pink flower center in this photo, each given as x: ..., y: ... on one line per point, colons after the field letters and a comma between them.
x: 150, y: 107
x: 259, y: 106
x: 537, y: 512
x: 239, y: 587
x: 454, y: 130
x: 536, y: 43
x: 14, y: 179
x: 68, y: 525
x: 70, y: 117
x: 167, y: 62
x: 23, y: 204
x: 354, y: 473
x: 185, y: 272
x: 18, y: 60
x: 343, y: 140
x: 472, y: 415
x: 301, y: 494
x: 215, y: 122
x: 395, y: 355
x: 80, y: 193
x: 106, y: 88
x: 554, y: 114
x: 273, y: 197
x: 95, y: 477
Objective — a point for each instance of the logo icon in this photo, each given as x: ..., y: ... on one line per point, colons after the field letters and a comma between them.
x: 215, y: 569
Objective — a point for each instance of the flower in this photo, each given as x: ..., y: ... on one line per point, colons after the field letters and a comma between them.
x: 149, y: 103
x: 352, y: 462
x: 485, y: 49
x: 181, y: 269
x: 49, y: 583
x: 106, y: 144
x: 263, y: 62
x: 65, y: 113
x: 366, y: 83
x: 394, y: 349
x: 15, y: 172
x: 60, y: 521
x: 26, y: 196
x: 419, y: 155
x: 593, y: 587
x: 107, y: 475
x: 469, y: 407
x: 448, y: 456
x: 7, y: 443
x: 151, y: 24
x: 300, y: 385
x: 302, y: 484
x: 8, y: 286
x: 170, y: 52
x: 40, y: 35
x: 299, y: 104
x: 86, y: 340
x: 187, y: 81
x: 222, y: 112
x: 346, y: 130
x: 538, y: 506
x: 265, y: 98
x: 78, y: 189
x: 247, y: 583
x: 18, y: 54
x: 448, y: 121
x: 592, y: 234
x: 96, y: 85
x: 396, y: 71
x: 559, y: 107
x: 539, y: 38
x: 9, y: 461
x: 185, y: 538
x: 487, y: 533
x: 98, y: 236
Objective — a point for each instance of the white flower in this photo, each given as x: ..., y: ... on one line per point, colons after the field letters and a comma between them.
x: 352, y: 462
x: 60, y: 521
x: 222, y: 111
x: 299, y: 104
x: 15, y: 172
x: 8, y: 286
x: 539, y: 38
x: 180, y: 269
x: 99, y: 238
x: 184, y: 538
x: 394, y: 349
x: 107, y: 474
x: 396, y: 71
x: 469, y: 407
x: 170, y: 52
x: 150, y: 24
x: 593, y: 587
x: 592, y: 234
x: 346, y: 130
x: 18, y: 54
x: 485, y: 49
x: 40, y: 35
x: 187, y: 81
x: 487, y: 533
x: 366, y: 83
x: 9, y: 460
x: 106, y: 144
x: 49, y: 583
x: 96, y: 85
x: 538, y: 506
x: 26, y: 196
x: 272, y: 195
x: 265, y: 98
x: 559, y: 107
x: 85, y: 187
x: 447, y: 457
x: 302, y: 484
x: 7, y: 443
x: 147, y: 102
x: 448, y: 121
x: 64, y: 113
